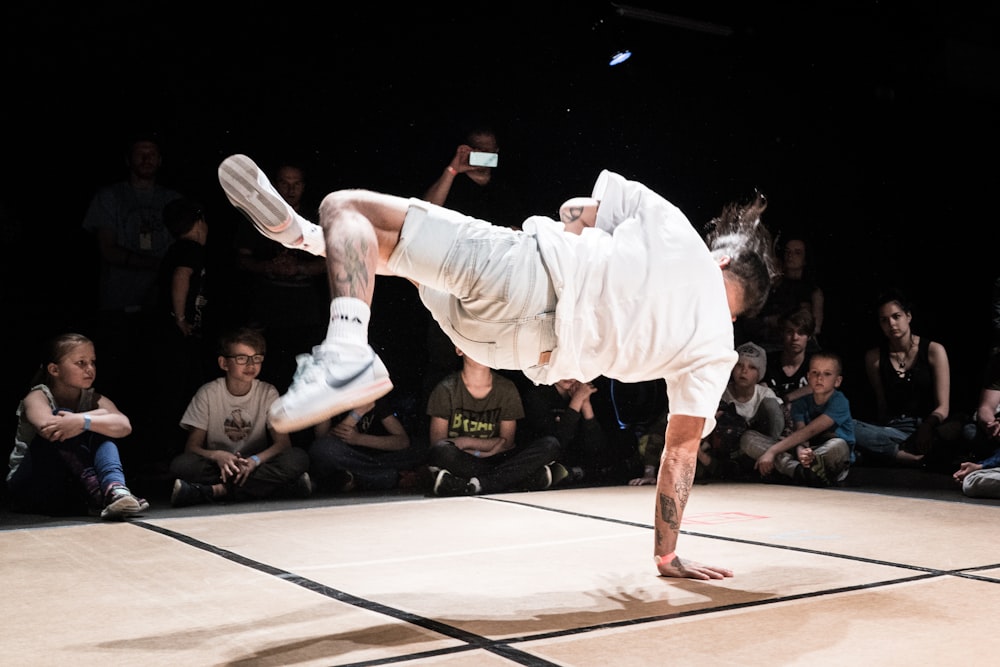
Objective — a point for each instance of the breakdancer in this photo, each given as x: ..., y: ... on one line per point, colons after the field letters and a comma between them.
x: 636, y: 293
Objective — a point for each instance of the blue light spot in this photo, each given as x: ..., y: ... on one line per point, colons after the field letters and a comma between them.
x: 619, y: 58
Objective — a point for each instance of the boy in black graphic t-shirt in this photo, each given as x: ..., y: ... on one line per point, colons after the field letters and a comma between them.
x: 473, y: 419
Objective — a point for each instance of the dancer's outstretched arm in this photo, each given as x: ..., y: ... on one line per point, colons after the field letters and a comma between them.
x: 673, y: 487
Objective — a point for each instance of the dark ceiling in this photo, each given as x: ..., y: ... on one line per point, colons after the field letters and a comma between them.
x: 848, y: 114
x: 871, y: 124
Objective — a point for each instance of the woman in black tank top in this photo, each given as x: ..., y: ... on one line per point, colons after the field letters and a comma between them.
x: 911, y: 379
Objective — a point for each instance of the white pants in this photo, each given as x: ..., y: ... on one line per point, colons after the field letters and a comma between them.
x: 484, y: 284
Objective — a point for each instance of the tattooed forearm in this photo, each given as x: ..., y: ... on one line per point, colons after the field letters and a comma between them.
x: 660, y: 537
x: 571, y: 214
x: 683, y: 485
x: 668, y: 512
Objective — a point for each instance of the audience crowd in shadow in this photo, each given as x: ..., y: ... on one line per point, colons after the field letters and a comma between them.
x: 156, y: 297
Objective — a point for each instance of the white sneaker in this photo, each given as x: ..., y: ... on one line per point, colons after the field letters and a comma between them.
x: 248, y: 189
x: 333, y: 379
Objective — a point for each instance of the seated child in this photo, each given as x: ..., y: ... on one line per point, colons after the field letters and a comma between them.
x: 747, y: 403
x: 818, y: 450
x: 65, y: 461
x: 231, y: 450
x: 366, y: 449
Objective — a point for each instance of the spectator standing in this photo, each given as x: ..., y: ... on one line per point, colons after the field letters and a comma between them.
x: 477, y: 190
x: 286, y: 289
x: 178, y: 317
x: 483, y: 193
x: 797, y: 287
x: 126, y: 219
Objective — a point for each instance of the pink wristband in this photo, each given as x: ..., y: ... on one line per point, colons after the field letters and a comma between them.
x: 665, y: 559
x: 452, y: 170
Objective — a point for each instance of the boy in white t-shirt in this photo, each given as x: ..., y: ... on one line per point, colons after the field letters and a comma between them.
x: 232, y: 450
x: 747, y: 403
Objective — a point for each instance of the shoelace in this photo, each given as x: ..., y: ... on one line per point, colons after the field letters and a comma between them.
x: 118, y: 493
x: 309, y: 369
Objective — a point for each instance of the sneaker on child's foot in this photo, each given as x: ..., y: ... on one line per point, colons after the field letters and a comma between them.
x: 248, y: 189
x: 447, y: 484
x: 302, y: 487
x: 186, y: 494
x: 119, y: 503
x: 558, y: 472
x: 540, y: 480
x: 808, y: 477
x: 346, y: 483
x: 333, y: 379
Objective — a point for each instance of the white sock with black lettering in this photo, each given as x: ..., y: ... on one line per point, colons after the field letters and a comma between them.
x: 349, y: 320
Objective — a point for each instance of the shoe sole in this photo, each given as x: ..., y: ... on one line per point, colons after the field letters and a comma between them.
x: 284, y: 423
x: 124, y: 507
x: 240, y: 180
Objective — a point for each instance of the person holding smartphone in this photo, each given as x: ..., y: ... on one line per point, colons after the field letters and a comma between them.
x: 470, y: 183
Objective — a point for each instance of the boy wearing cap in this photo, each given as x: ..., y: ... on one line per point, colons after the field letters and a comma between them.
x: 746, y: 404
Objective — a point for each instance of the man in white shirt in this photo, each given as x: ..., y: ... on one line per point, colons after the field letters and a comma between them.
x: 636, y: 295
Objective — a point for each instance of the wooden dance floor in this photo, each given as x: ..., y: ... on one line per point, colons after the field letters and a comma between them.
x: 561, y: 577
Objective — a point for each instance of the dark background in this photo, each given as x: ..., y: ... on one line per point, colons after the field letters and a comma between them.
x: 870, y: 125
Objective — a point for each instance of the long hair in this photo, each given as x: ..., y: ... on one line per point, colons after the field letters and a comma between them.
x: 57, y: 348
x: 739, y: 234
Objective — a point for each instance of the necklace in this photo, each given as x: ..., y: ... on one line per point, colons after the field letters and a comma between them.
x: 902, y: 360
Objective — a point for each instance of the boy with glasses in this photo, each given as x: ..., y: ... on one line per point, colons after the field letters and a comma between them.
x: 232, y: 452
